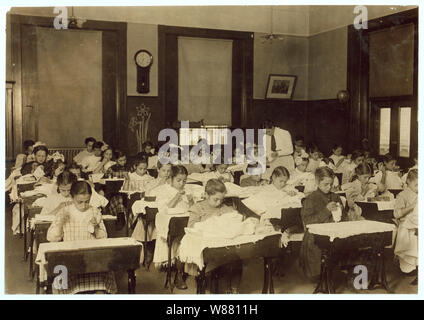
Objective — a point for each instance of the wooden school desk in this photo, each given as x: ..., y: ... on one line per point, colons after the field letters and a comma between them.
x: 38, y: 234
x: 147, y: 218
x: 88, y: 256
x: 29, y: 212
x: 22, y: 187
x: 129, y: 198
x: 377, y: 211
x: 342, y: 237
x: 267, y: 248
x: 175, y: 229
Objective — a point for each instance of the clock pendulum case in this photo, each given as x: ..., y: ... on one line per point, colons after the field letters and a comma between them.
x: 143, y: 60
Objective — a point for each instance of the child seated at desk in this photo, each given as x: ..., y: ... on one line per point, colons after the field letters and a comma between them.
x: 210, y: 207
x: 278, y: 181
x: 391, y: 176
x: 252, y: 180
x: 337, y: 157
x: 299, y: 148
x: 116, y: 203
x: 147, y: 150
x: 348, y: 169
x: 321, y: 206
x: 164, y: 174
x: 105, y: 162
x: 415, y: 166
x: 139, y: 177
x: 360, y: 189
x: 58, y: 200
x: 153, y: 188
x: 61, y: 195
x: 169, y: 196
x: 119, y: 169
x: 23, y: 158
x: 406, y: 211
x: 80, y: 221
x: 53, y: 169
x: 220, y: 172
x: 300, y: 177
x: 314, y: 159
x: 92, y: 161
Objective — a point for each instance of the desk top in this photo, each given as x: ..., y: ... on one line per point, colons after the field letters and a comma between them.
x: 381, y: 205
x: 347, y: 229
x: 89, y: 256
x: 86, y: 244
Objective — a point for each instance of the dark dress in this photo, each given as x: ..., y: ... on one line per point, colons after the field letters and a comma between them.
x: 314, y: 210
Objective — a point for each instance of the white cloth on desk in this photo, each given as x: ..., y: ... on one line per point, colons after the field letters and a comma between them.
x: 226, y: 226
x: 270, y: 199
x: 192, y: 246
x: 161, y: 249
x: 215, y: 175
x: 348, y: 229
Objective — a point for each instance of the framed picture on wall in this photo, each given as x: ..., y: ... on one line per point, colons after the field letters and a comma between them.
x: 280, y: 86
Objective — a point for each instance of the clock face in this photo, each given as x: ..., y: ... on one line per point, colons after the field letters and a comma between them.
x: 143, y: 59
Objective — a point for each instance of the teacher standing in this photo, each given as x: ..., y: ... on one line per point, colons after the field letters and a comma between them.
x: 279, y: 147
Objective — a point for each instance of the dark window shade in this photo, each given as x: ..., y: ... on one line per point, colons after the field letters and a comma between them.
x: 391, y: 55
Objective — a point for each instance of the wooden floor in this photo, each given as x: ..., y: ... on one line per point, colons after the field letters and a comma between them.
x: 152, y: 282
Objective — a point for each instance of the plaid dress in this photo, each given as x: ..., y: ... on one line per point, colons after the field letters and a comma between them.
x: 76, y: 227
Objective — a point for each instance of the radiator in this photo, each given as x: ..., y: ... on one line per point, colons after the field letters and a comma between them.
x: 68, y: 153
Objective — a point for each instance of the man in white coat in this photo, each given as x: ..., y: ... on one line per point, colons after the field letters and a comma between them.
x: 279, y: 147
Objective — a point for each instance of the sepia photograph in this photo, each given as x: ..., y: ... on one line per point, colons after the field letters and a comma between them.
x: 211, y: 149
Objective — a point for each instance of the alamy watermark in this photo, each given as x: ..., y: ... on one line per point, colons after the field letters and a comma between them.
x: 60, y: 282
x: 361, y: 20
x: 255, y: 153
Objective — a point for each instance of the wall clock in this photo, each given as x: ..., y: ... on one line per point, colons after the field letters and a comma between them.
x: 143, y: 60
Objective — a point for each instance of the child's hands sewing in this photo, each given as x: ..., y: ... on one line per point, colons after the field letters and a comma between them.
x: 332, y: 206
x: 63, y: 217
x: 93, y: 221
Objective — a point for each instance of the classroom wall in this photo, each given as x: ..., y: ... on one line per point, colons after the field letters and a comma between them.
x: 288, y: 56
x: 327, y: 58
x: 308, y: 51
x: 327, y: 18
